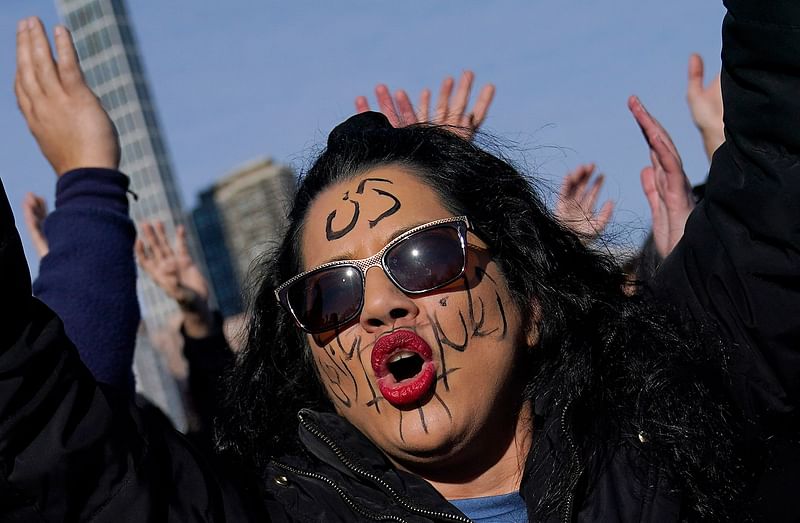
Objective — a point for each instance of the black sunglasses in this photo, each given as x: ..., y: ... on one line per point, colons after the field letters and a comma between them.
x: 420, y: 260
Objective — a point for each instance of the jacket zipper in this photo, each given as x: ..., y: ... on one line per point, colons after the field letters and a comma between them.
x: 576, y: 460
x: 339, y: 490
x: 361, y: 472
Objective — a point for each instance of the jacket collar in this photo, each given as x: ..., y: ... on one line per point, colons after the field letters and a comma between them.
x: 338, y: 444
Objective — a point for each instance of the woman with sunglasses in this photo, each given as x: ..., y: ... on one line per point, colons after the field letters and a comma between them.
x: 428, y: 344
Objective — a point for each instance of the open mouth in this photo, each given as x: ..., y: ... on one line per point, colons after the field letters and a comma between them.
x: 403, y: 364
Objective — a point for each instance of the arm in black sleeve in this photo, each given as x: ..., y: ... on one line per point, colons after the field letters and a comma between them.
x: 71, y: 450
x: 209, y: 360
x: 739, y: 261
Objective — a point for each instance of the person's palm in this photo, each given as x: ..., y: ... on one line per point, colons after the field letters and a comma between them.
x: 171, y: 269
x: 189, y: 274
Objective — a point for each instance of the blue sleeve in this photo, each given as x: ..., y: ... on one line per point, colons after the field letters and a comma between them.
x: 89, y: 276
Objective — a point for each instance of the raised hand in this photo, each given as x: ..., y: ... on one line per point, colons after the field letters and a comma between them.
x: 65, y: 117
x: 577, y: 201
x: 664, y: 182
x: 705, y: 104
x: 451, y: 110
x: 34, y: 209
x: 171, y: 269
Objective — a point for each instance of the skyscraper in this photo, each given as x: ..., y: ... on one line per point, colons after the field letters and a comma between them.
x: 110, y: 60
x: 238, y: 219
x: 113, y: 69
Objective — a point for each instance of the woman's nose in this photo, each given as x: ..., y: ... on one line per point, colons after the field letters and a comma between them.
x: 384, y: 303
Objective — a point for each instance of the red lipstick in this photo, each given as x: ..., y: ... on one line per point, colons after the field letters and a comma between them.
x: 391, y: 349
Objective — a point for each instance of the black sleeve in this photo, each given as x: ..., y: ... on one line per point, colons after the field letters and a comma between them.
x: 739, y: 261
x: 209, y: 358
x: 71, y: 450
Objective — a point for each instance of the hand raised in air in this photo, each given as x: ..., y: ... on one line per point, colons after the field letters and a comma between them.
x: 577, y: 201
x: 664, y: 182
x: 64, y: 115
x: 451, y: 110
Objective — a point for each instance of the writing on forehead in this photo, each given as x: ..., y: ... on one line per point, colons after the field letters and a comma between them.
x: 393, y: 205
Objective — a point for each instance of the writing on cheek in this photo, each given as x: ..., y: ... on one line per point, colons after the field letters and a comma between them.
x: 339, y: 378
x: 334, y: 376
x: 393, y: 205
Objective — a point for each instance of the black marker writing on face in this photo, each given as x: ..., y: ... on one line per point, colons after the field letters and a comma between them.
x: 442, y: 360
x: 388, y: 212
x: 502, y: 315
x: 478, y: 325
x: 444, y: 405
x: 422, y: 418
x: 354, y: 347
x: 445, y: 340
x: 334, y: 383
x: 336, y: 373
x: 331, y: 234
x: 376, y: 400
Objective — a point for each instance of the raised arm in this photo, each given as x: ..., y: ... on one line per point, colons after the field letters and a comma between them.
x: 71, y: 450
x: 204, y: 344
x: 739, y: 261
x: 88, y: 278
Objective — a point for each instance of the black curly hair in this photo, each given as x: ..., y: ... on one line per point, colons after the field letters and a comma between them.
x: 617, y: 361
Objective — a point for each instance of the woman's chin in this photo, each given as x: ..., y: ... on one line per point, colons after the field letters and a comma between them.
x: 432, y: 442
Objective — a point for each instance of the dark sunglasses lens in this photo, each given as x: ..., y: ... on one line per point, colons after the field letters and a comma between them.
x: 427, y: 260
x: 326, y: 299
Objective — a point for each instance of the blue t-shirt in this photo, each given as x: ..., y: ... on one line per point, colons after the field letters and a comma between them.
x: 507, y: 508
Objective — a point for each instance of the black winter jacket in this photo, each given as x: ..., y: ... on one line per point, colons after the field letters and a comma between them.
x: 72, y: 450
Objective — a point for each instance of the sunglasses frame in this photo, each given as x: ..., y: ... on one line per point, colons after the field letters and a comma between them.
x: 376, y: 260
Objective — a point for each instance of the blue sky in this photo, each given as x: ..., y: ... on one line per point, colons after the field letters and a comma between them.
x: 240, y: 79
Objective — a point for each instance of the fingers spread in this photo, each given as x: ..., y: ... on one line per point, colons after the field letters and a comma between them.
x: 423, y: 110
x: 23, y: 102
x: 481, y: 108
x: 667, y: 157
x: 589, y: 198
x: 362, y: 105
x: 152, y: 246
x: 180, y: 241
x: 405, y: 108
x: 574, y: 182
x: 646, y: 122
x: 69, y: 68
x: 386, y: 104
x: 141, y: 253
x: 652, y: 129
x: 163, y: 243
x: 604, y: 216
x: 43, y: 64
x: 443, y: 103
x: 695, y: 75
x: 26, y: 74
x: 461, y: 98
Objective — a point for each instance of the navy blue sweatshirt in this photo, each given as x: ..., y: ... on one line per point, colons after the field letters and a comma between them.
x: 89, y: 276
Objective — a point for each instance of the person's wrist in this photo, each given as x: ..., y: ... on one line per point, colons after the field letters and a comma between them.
x: 197, y: 325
